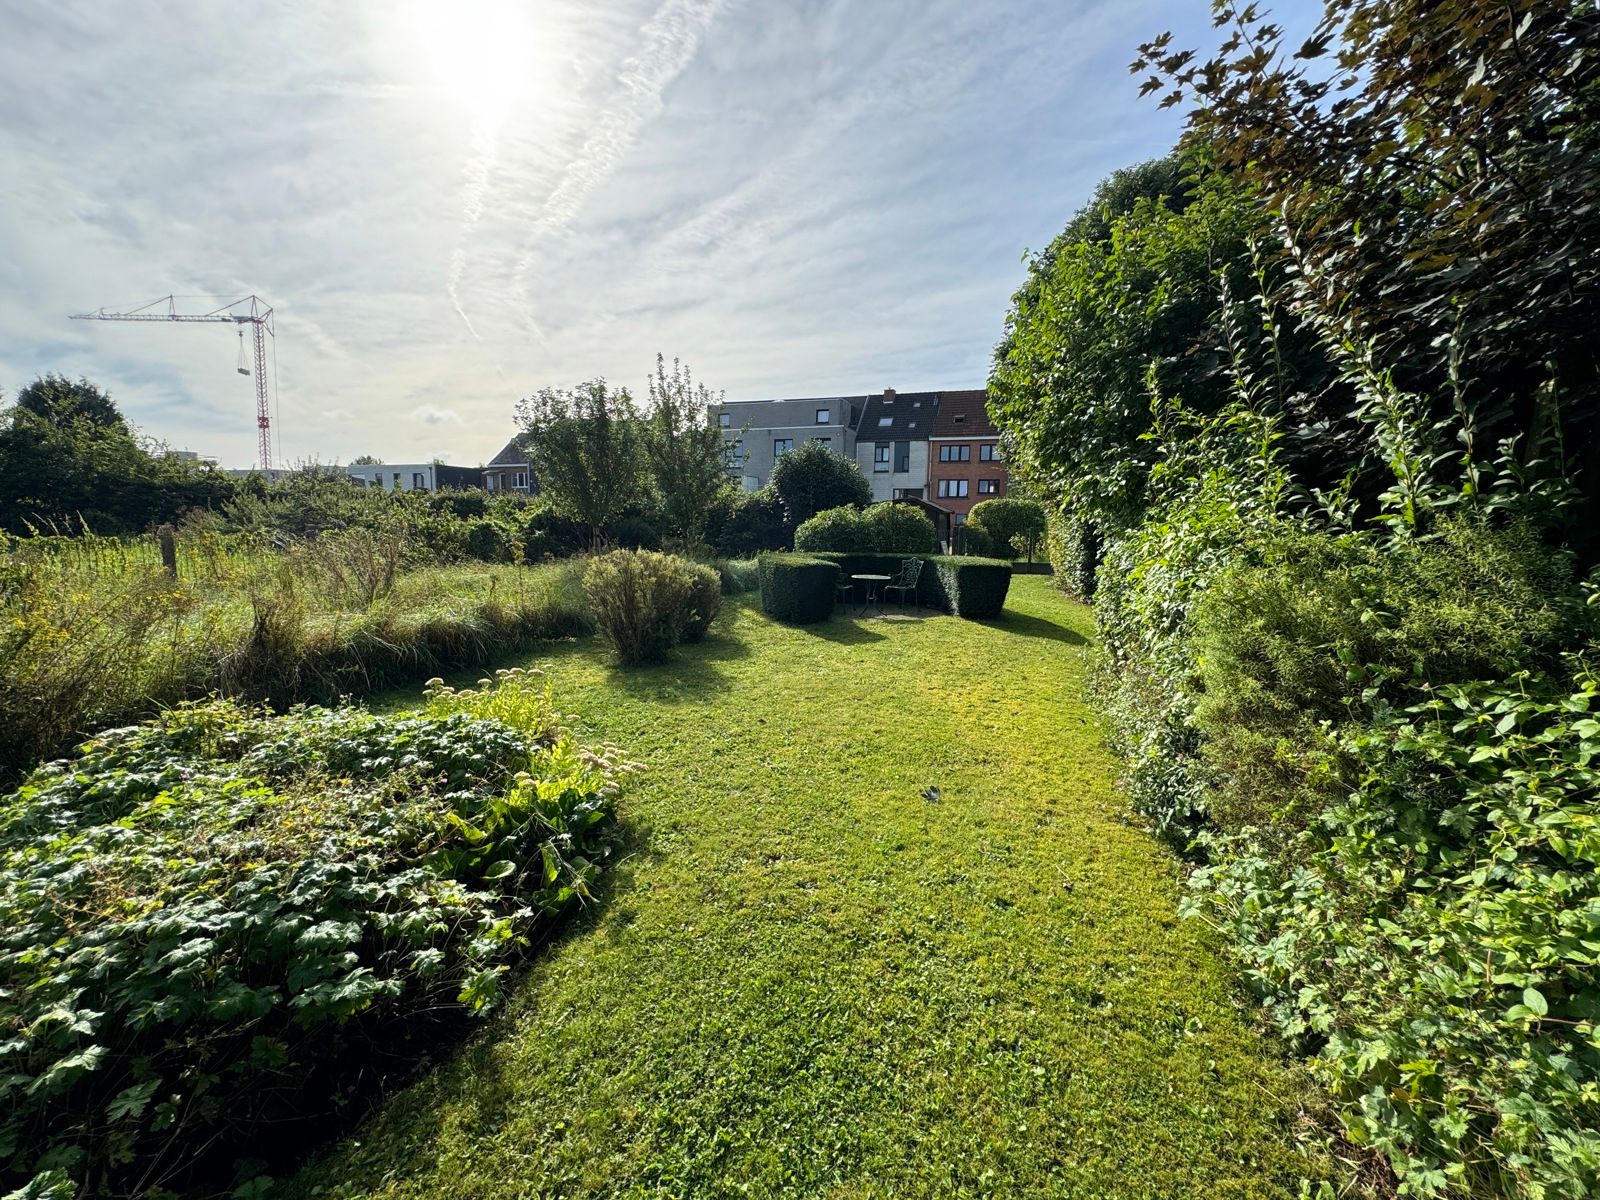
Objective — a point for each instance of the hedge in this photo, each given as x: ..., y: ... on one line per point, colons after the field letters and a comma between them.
x: 967, y: 587
x: 797, y: 588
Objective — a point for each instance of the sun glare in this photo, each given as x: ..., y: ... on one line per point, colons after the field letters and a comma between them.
x: 481, y: 53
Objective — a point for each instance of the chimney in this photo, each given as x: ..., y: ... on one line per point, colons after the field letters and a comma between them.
x: 888, y: 395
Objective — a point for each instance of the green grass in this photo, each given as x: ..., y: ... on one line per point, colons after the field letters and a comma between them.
x: 809, y: 980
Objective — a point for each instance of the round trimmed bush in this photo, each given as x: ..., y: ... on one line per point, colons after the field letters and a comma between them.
x: 844, y: 530
x: 895, y: 528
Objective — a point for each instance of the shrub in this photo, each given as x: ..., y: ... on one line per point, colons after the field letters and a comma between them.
x: 968, y: 587
x: 1014, y: 526
x: 812, y: 478
x: 886, y: 528
x: 843, y: 530
x: 705, y: 600
x: 640, y: 601
x: 1074, y: 552
x: 634, y: 532
x: 973, y: 538
x: 797, y: 588
x: 738, y: 575
x: 486, y: 543
x: 894, y: 528
x: 548, y: 534
x: 262, y: 909
x: 746, y: 523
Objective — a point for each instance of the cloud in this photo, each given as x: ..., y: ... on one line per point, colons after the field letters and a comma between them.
x: 432, y: 414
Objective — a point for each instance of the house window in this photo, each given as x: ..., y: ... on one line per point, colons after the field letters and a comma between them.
x: 885, y: 422
x: 880, y: 456
x: 736, y: 454
x: 723, y: 419
x: 952, y: 489
x: 988, y: 487
x: 781, y: 445
x: 397, y: 479
x: 489, y: 481
x: 902, y: 456
x: 955, y: 453
x: 822, y: 416
x: 828, y: 441
x: 961, y: 519
x: 419, y: 480
x: 519, y: 479
x: 989, y: 452
x: 959, y: 418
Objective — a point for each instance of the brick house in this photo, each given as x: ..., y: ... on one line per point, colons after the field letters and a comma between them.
x: 510, y: 471
x: 964, y: 462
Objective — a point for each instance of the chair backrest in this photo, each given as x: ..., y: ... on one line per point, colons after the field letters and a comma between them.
x: 910, y: 572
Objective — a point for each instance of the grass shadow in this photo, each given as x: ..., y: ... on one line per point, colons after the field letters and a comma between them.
x: 848, y: 631
x: 1024, y: 625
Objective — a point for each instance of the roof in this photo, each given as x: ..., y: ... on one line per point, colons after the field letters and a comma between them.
x: 964, y: 415
x: 791, y: 413
x: 909, y: 416
x: 512, y: 456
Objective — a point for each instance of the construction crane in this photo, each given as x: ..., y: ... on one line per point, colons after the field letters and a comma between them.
x: 258, y: 314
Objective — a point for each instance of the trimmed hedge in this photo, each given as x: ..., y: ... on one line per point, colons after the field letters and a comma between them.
x: 968, y: 587
x: 797, y: 588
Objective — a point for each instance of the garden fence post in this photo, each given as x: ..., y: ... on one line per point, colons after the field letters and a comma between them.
x: 169, y: 549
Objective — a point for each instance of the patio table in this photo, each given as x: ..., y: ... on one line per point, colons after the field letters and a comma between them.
x: 874, y: 585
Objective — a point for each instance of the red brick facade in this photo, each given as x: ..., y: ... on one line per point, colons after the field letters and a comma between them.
x: 964, y: 464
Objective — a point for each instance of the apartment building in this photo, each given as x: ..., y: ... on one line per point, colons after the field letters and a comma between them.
x: 759, y: 432
x: 892, y: 443
x: 964, y: 460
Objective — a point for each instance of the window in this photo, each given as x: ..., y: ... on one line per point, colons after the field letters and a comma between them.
x: 902, y: 456
x: 952, y: 488
x: 955, y: 453
x: 823, y: 441
x: 780, y: 445
x: 397, y: 479
x: 959, y: 418
x: 961, y: 519
x: 822, y: 416
x: 988, y: 487
x: 885, y: 422
x: 418, y: 479
x: 489, y: 481
x: 724, y: 420
x: 519, y: 479
x: 880, y: 456
x: 989, y: 452
x: 736, y: 454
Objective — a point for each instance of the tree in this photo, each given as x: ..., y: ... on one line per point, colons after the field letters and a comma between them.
x: 1433, y: 171
x: 366, y: 460
x: 586, y: 445
x: 812, y: 477
x: 1014, y: 526
x: 57, y: 400
x: 684, y: 446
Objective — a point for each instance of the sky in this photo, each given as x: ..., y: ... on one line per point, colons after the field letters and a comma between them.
x: 454, y: 203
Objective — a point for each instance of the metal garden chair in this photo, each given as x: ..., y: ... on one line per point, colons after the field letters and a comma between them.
x: 909, y: 581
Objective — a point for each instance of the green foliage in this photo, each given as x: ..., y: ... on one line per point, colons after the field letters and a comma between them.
x: 886, y: 528
x: 738, y: 575
x: 1014, y: 526
x: 685, y: 449
x: 69, y: 462
x: 93, y: 632
x: 1304, y: 632
x: 797, y: 588
x: 1073, y: 549
x: 486, y: 543
x: 586, y: 445
x: 746, y: 523
x: 967, y: 587
x: 633, y: 532
x: 644, y: 603
x: 260, y: 908
x: 1432, y: 939
x: 812, y: 478
x: 548, y: 534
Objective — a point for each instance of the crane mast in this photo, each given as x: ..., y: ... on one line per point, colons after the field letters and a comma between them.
x: 252, y: 310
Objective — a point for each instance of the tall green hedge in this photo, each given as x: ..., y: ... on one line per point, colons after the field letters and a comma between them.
x: 797, y: 588
x: 968, y: 587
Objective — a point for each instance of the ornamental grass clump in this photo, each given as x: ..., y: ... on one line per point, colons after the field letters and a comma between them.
x: 219, y: 927
x: 644, y: 603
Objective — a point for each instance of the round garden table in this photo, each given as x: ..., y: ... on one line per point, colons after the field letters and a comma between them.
x: 874, y: 585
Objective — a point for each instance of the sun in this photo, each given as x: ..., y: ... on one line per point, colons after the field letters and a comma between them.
x: 481, y: 53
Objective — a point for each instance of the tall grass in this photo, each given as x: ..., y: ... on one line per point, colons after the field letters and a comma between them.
x: 94, y: 633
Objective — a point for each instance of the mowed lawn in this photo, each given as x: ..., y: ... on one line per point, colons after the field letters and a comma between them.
x: 815, y: 977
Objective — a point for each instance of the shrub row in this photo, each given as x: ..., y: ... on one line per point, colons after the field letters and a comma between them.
x: 887, y: 528
x: 798, y: 588
x: 217, y: 926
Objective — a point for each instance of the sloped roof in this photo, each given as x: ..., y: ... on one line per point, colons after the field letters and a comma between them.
x: 964, y: 415
x: 512, y: 456
x: 908, y: 417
